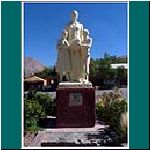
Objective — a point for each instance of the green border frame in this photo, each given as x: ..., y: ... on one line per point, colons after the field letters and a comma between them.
x: 11, y: 74
x: 138, y: 74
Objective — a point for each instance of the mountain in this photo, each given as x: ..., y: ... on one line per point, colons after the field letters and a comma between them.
x: 31, y: 66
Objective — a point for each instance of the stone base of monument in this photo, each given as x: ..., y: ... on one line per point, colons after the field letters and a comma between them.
x: 75, y: 105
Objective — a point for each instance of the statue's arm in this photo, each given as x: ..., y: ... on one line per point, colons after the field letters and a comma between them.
x: 65, y: 43
x: 81, y: 32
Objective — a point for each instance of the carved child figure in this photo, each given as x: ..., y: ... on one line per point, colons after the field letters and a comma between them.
x: 63, y: 41
x: 63, y: 58
x: 86, y: 43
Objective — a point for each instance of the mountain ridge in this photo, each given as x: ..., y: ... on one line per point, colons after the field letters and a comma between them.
x: 31, y: 66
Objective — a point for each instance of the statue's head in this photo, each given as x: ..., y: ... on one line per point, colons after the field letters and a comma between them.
x: 85, y: 32
x: 74, y: 16
x: 64, y: 34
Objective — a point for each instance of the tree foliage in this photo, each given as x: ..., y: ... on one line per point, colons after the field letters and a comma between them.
x: 37, y: 105
x: 47, y: 72
x: 100, y: 70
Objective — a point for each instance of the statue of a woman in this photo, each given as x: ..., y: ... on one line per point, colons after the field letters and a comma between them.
x: 75, y: 37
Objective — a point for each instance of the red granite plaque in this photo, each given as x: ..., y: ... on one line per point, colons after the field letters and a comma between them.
x: 75, y: 107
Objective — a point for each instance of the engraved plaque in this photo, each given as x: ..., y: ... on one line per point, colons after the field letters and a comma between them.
x: 75, y: 99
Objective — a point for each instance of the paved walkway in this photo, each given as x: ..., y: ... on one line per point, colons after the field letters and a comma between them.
x: 66, y: 135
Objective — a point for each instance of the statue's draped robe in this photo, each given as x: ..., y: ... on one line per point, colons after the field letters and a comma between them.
x: 75, y: 36
x: 73, y: 59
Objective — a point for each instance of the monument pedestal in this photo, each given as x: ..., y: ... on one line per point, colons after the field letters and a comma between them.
x: 75, y: 107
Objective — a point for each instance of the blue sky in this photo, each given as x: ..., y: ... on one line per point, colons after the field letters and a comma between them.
x: 44, y: 22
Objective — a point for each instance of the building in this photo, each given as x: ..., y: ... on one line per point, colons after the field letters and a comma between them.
x: 34, y: 83
x: 120, y: 65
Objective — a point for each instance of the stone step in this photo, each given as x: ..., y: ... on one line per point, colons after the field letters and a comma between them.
x: 78, y: 136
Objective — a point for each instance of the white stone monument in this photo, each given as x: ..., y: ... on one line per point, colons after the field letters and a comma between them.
x: 73, y: 53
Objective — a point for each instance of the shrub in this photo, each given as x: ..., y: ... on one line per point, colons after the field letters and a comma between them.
x: 124, y: 124
x: 110, y: 108
x: 47, y: 103
x: 124, y: 121
x: 32, y: 112
x: 37, y: 105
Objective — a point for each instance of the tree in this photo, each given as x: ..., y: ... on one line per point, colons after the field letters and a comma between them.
x: 47, y: 72
x: 122, y: 76
x: 100, y: 70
